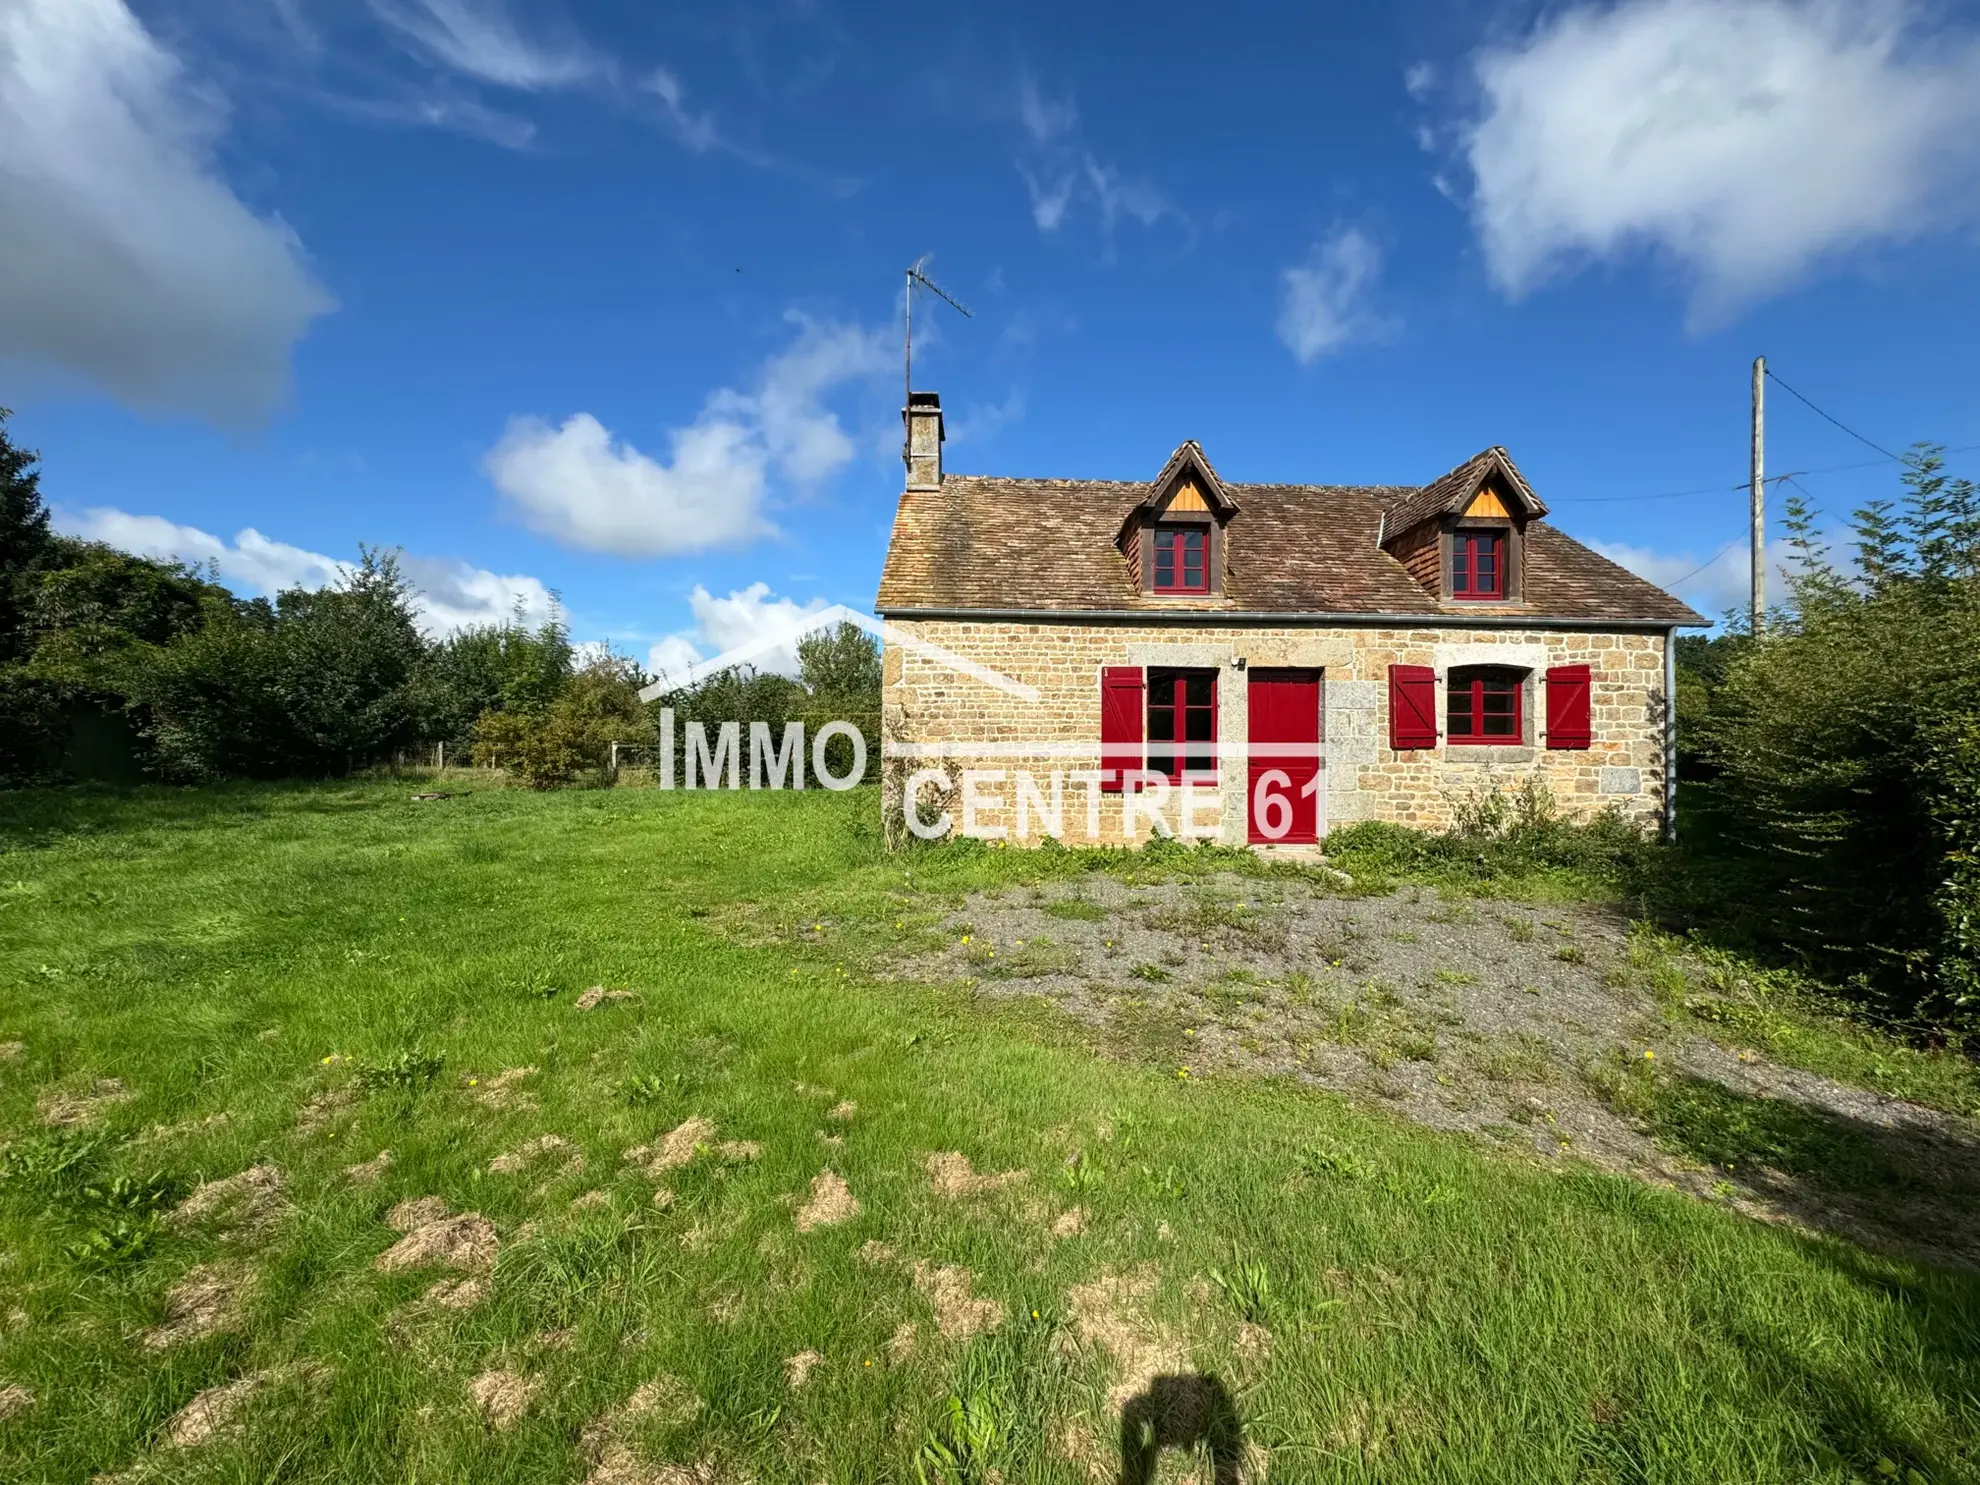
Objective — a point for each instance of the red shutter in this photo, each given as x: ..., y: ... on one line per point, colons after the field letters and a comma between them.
x: 1568, y: 723
x: 1120, y: 722
x: 1412, y: 707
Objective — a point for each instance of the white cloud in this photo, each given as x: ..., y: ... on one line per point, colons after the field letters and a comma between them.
x: 696, y: 131
x: 481, y: 39
x: 1044, y: 120
x: 1710, y: 584
x: 1323, y: 301
x: 980, y: 421
x: 577, y: 485
x: 1748, y: 139
x: 457, y: 595
x: 451, y: 593
x: 1420, y: 80
x: 1060, y: 172
x: 128, y: 263
x: 722, y: 624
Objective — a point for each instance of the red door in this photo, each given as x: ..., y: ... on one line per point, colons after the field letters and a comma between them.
x: 1284, y: 783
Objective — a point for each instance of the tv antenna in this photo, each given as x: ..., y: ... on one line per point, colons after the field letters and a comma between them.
x: 916, y: 276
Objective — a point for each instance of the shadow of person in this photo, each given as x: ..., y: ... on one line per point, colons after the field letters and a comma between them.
x: 1180, y: 1413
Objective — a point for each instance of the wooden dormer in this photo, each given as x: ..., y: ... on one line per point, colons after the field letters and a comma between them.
x: 1463, y: 535
x: 1174, y: 539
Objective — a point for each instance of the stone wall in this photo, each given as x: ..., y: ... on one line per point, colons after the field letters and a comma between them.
x: 935, y: 717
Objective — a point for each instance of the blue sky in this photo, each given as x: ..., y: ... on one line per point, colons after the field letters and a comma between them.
x: 604, y: 298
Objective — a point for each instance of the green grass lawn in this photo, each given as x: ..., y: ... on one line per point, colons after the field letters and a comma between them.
x: 297, y: 978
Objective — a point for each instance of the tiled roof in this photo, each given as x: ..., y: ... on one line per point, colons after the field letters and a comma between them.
x: 1048, y: 545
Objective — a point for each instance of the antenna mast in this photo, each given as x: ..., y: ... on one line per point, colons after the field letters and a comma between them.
x: 916, y: 276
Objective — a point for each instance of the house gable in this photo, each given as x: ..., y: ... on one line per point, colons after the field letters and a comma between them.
x: 1485, y: 504
x: 1185, y: 497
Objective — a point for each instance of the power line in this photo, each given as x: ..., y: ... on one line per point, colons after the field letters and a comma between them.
x: 1679, y: 583
x: 1837, y: 421
x: 1813, y: 503
x: 1771, y: 479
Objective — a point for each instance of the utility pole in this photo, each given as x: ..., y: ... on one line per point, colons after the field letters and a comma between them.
x: 1759, y: 493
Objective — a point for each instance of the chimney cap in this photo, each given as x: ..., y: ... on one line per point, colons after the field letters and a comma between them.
x: 931, y: 400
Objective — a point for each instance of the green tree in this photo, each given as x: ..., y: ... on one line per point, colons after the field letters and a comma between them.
x: 1845, y: 743
x: 841, y: 664
x: 24, y: 536
x: 492, y: 667
x: 841, y: 672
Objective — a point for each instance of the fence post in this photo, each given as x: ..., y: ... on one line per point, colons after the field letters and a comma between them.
x: 443, y: 755
x: 615, y: 760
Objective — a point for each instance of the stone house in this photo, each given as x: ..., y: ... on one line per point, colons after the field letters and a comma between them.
x: 1256, y: 663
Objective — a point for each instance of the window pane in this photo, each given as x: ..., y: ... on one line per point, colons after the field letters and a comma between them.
x: 1461, y: 566
x: 1457, y: 721
x: 1197, y: 688
x: 1199, y: 724
x: 1161, y: 724
x: 1165, y: 569
x: 1164, y: 763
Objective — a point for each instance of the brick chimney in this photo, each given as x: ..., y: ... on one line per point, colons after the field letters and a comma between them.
x: 923, y: 454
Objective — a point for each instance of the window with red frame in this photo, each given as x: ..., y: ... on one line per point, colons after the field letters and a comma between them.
x: 1482, y: 705
x: 1478, y: 565
x: 1182, y: 723
x: 1182, y: 559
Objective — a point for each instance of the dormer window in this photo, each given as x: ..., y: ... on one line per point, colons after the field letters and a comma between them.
x: 1182, y: 559
x: 1478, y: 565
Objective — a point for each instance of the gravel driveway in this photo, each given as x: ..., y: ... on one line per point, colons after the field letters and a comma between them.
x: 1526, y: 1025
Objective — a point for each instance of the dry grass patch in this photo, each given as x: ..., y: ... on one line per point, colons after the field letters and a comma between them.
x: 959, y: 1314
x: 598, y: 995
x: 240, y: 1205
x: 367, y: 1172
x: 500, y: 1092
x: 14, y: 1399
x: 323, y: 1109
x: 209, y: 1299
x: 675, y: 1149
x: 214, y: 1416
x: 501, y: 1398
x: 1109, y: 1318
x: 434, y: 1239
x: 459, y: 1294
x: 954, y: 1177
x: 63, y: 1110
x: 832, y: 1202
x: 798, y: 1368
x: 530, y: 1151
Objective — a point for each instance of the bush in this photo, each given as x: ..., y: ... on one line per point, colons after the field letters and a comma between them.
x: 1847, y: 746
x: 1497, y: 836
x: 548, y: 745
